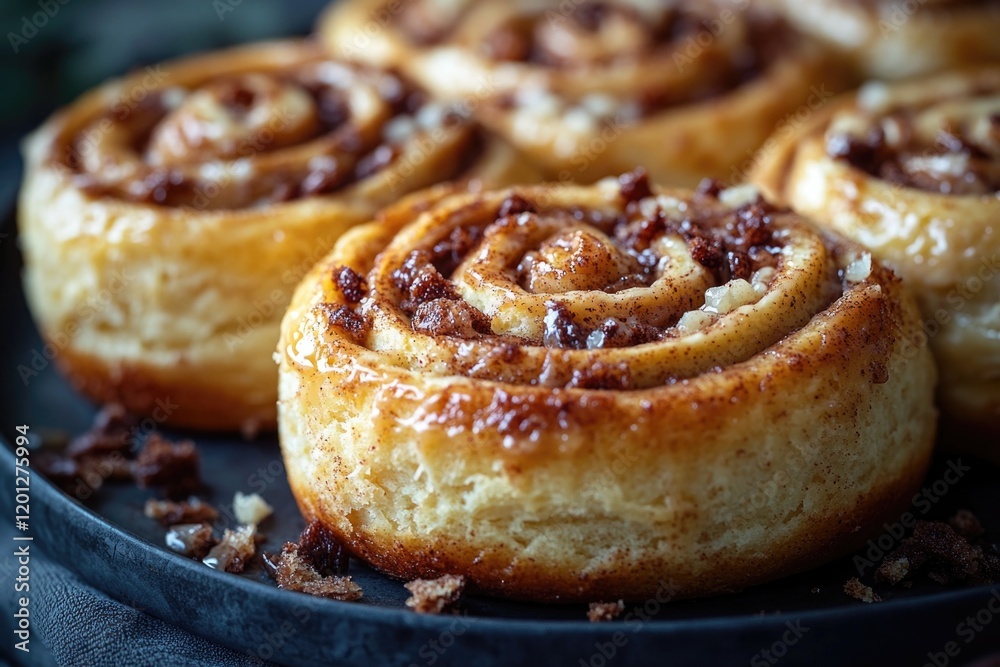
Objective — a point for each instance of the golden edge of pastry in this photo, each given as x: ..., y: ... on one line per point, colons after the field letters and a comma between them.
x: 692, y: 140
x: 713, y: 484
x: 682, y: 144
x: 142, y: 303
x: 899, y: 40
x: 945, y: 246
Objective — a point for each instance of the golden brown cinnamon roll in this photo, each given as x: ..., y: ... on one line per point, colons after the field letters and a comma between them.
x: 913, y: 172
x: 166, y: 217
x: 893, y: 39
x: 591, y: 89
x: 579, y: 393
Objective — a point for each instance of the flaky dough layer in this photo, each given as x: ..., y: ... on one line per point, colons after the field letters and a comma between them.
x: 910, y: 171
x: 754, y: 428
x: 686, y: 89
x: 166, y: 217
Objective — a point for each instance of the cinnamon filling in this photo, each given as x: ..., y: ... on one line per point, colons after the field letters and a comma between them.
x: 742, y: 44
x: 251, y: 139
x: 959, y: 155
x: 572, y: 250
x: 768, y: 40
x: 594, y: 33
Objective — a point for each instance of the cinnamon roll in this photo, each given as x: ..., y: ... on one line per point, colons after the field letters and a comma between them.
x: 890, y: 39
x: 579, y: 393
x: 590, y: 89
x: 167, y: 217
x: 912, y: 171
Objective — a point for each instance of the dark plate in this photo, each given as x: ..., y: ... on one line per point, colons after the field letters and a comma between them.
x: 105, y: 538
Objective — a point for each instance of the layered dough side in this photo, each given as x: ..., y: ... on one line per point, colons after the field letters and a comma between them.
x: 684, y: 89
x: 922, y: 196
x: 707, y: 481
x: 159, y: 271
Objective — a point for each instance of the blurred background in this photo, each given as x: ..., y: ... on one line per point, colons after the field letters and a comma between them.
x: 53, y: 50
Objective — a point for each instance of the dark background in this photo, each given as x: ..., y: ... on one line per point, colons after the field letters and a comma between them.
x: 85, y: 42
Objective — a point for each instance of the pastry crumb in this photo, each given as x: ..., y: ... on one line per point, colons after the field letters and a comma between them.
x: 966, y: 524
x: 234, y: 551
x: 171, y: 465
x: 859, y: 591
x: 102, y: 453
x: 322, y: 550
x: 893, y: 571
x: 314, y: 565
x: 193, y: 539
x: 111, y: 431
x: 292, y: 571
x: 433, y: 596
x: 605, y: 611
x: 170, y: 513
x: 943, y: 554
x: 251, y: 509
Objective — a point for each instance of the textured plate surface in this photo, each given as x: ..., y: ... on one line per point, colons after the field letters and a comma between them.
x: 103, y: 536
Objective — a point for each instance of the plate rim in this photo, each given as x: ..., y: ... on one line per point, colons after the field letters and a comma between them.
x: 88, y: 518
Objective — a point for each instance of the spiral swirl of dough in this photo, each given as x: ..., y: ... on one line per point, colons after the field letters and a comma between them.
x: 912, y: 171
x: 186, y: 201
x: 271, y: 125
x: 586, y: 88
x: 459, y: 376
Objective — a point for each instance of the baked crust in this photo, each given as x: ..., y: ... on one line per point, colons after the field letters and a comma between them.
x: 774, y: 437
x: 686, y: 90
x: 172, y: 395
x: 892, y: 40
x: 924, y: 204
x: 166, y: 217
